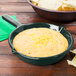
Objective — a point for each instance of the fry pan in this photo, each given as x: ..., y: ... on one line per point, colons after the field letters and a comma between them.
x: 38, y: 60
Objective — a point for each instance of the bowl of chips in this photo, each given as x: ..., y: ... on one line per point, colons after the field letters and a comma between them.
x: 63, y: 10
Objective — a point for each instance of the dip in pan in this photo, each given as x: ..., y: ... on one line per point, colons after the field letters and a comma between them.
x: 40, y: 42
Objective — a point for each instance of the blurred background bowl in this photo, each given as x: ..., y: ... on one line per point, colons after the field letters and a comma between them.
x: 54, y: 15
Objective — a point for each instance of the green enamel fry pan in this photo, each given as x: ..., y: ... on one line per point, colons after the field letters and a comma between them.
x: 38, y: 60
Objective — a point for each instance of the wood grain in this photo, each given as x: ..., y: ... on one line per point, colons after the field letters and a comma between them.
x: 11, y: 65
x: 6, y: 1
x: 71, y: 28
x: 12, y: 8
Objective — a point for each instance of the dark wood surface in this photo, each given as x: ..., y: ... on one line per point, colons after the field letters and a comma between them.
x: 11, y: 65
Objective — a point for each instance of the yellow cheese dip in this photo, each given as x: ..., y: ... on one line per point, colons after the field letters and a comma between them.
x: 40, y: 42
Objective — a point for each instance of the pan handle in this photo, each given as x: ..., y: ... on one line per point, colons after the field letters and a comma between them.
x: 11, y: 20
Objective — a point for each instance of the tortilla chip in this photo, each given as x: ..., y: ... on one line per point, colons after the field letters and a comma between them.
x: 73, y: 62
x: 73, y: 51
x: 60, y: 5
x: 50, y: 4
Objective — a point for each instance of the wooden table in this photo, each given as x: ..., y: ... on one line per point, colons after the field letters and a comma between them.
x: 11, y: 65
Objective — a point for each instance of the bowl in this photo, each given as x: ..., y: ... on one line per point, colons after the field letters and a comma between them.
x: 54, y: 15
x: 41, y: 60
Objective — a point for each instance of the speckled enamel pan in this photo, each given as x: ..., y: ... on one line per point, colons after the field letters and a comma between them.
x: 38, y: 60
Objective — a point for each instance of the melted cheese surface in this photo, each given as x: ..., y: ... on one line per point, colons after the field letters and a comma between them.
x: 40, y: 42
